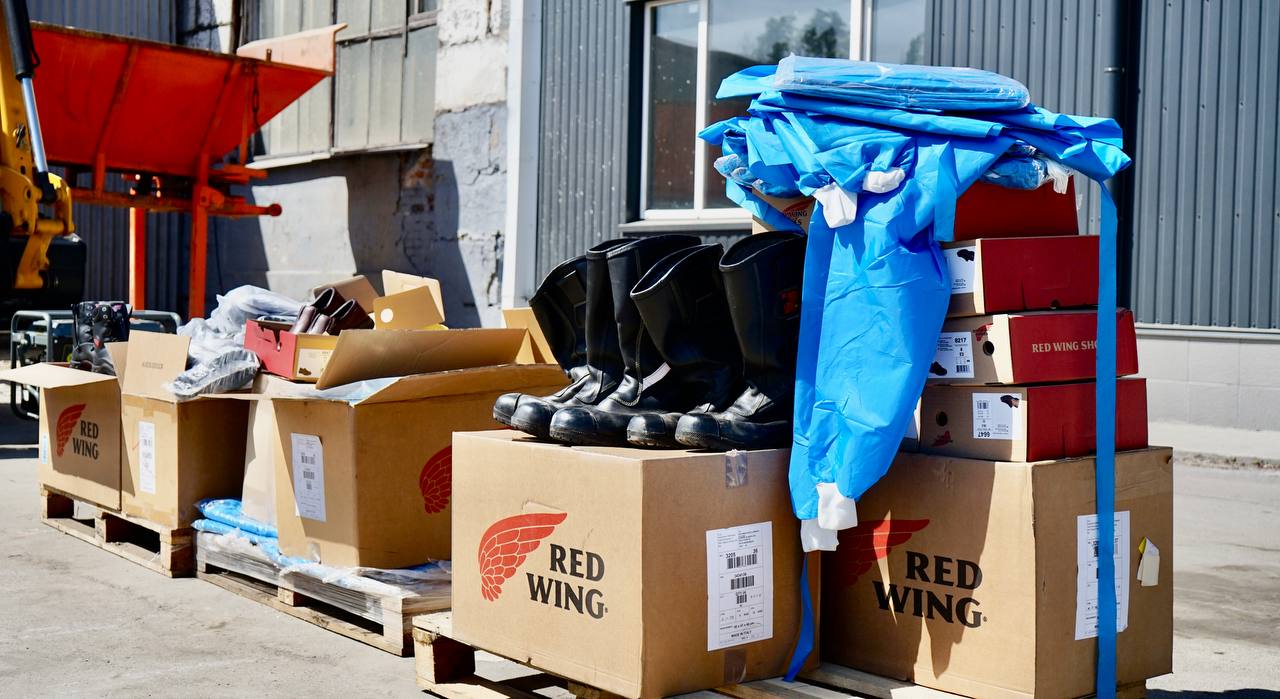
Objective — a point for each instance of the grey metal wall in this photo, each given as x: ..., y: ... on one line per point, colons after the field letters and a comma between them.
x: 1207, y: 201
x: 582, y: 177
x: 1069, y: 53
x: 105, y: 229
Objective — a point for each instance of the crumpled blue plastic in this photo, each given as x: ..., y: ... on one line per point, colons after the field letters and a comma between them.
x: 229, y: 511
x: 876, y: 290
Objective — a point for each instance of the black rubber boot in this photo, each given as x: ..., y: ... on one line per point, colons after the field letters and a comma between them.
x: 558, y: 305
x: 682, y: 302
x: 605, y: 423
x: 602, y: 361
x: 762, y: 279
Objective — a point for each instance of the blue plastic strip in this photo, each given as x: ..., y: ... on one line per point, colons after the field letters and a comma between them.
x: 1106, y: 460
x: 804, y: 644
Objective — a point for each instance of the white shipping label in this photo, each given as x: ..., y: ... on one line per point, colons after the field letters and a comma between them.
x: 147, y: 457
x: 997, y: 416
x: 1087, y: 574
x: 739, y: 585
x: 962, y: 264
x: 953, y: 359
x: 308, y: 476
x: 44, y: 447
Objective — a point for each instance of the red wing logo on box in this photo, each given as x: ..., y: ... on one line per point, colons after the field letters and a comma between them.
x: 862, y: 546
x: 507, y: 542
x: 84, y: 441
x: 436, y: 481
x: 942, y: 439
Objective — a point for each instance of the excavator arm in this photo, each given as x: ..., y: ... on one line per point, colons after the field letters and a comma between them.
x: 25, y: 180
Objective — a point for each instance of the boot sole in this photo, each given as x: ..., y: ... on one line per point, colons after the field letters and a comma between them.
x: 539, y: 430
x: 640, y: 441
x: 584, y: 439
x: 502, y: 418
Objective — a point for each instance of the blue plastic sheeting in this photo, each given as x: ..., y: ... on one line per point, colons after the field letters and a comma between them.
x: 268, y: 545
x: 228, y: 511
x: 918, y: 88
x: 876, y: 287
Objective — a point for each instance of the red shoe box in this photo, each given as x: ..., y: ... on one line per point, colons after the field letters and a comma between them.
x: 988, y: 210
x: 999, y: 275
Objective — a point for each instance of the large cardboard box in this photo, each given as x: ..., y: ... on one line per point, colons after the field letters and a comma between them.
x: 1026, y: 423
x: 258, y: 489
x: 639, y: 572
x: 363, y: 478
x: 176, y: 452
x: 979, y: 577
x: 999, y: 275
x: 79, y: 442
x: 1034, y: 347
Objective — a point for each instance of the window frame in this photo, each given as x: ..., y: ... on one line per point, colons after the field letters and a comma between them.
x: 859, y: 43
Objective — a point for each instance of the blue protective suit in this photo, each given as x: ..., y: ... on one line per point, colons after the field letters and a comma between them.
x: 876, y: 287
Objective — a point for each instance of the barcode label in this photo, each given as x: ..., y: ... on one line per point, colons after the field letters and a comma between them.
x: 742, y: 598
x: 953, y: 357
x: 147, y: 457
x: 308, y: 476
x: 997, y: 416
x: 961, y: 264
x: 739, y: 583
x: 982, y: 404
x: 735, y: 561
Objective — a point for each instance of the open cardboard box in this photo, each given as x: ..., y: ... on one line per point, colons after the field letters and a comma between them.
x: 79, y: 442
x: 176, y: 452
x: 535, y: 349
x: 410, y: 303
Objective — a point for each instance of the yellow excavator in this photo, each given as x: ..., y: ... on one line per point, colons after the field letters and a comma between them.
x: 35, y: 204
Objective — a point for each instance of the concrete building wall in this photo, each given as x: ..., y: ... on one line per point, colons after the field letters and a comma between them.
x: 1209, y: 379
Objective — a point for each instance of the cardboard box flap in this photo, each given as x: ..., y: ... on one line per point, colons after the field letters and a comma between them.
x: 537, y: 350
x: 119, y: 353
x: 358, y: 287
x: 399, y: 283
x: 458, y: 382
x: 52, y: 376
x: 153, y: 360
x: 375, y: 354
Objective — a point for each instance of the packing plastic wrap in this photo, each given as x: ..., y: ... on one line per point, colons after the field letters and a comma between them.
x: 227, y: 511
x: 913, y: 87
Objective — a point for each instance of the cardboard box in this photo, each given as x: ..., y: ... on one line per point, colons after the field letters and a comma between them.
x: 364, y: 480
x: 966, y: 576
x: 258, y: 489
x: 1026, y: 423
x: 176, y: 452
x: 1021, y: 348
x: 535, y: 349
x: 79, y: 442
x: 621, y: 568
x: 998, y: 275
x: 988, y: 210
x: 411, y: 303
x: 985, y: 210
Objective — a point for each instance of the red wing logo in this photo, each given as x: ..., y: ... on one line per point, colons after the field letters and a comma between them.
x: 507, y: 542
x: 943, y: 439
x: 863, y: 545
x: 67, y: 422
x: 436, y: 481
x: 790, y: 301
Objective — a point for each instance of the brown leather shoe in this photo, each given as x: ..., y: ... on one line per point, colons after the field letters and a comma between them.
x: 326, y: 304
x: 349, y: 316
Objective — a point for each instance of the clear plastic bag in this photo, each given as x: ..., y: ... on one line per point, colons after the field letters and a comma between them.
x: 919, y: 88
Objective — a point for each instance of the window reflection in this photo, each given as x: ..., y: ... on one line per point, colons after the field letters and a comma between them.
x: 673, y: 80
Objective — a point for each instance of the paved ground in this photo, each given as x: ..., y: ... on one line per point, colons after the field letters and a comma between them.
x: 78, y: 621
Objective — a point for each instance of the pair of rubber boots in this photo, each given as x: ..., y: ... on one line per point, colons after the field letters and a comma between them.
x: 668, y: 342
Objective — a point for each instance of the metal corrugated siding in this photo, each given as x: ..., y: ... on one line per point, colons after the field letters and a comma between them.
x: 1060, y: 49
x: 582, y: 163
x: 105, y: 230
x: 1207, y: 201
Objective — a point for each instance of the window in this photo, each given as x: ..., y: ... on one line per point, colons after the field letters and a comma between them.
x: 382, y: 95
x: 692, y: 45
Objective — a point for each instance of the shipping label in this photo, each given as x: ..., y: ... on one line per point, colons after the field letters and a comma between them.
x: 147, y: 457
x: 1087, y: 574
x: 308, y: 475
x: 953, y: 359
x: 739, y: 585
x: 961, y: 263
x: 997, y: 416
x: 44, y: 447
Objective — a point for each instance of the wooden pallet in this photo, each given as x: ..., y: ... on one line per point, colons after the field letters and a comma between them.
x: 382, y: 621
x: 167, y: 551
x: 446, y: 667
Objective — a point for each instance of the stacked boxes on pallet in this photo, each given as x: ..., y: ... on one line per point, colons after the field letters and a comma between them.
x: 973, y: 567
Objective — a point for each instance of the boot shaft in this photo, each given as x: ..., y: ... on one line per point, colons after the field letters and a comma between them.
x: 682, y: 302
x: 559, y: 305
x: 627, y: 263
x: 762, y: 277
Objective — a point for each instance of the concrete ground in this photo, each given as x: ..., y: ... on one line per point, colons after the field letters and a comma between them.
x: 76, y: 621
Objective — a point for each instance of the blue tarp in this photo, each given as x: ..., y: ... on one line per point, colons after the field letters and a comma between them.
x: 876, y: 287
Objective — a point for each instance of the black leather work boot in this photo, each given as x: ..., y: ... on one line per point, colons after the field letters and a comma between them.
x: 762, y: 279
x: 605, y: 423
x: 595, y: 365
x: 682, y: 302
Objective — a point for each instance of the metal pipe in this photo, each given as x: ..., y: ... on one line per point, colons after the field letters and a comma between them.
x: 33, y: 126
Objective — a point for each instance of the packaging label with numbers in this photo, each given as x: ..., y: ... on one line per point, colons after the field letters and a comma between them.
x: 997, y: 416
x: 147, y: 457
x: 44, y: 447
x: 308, y: 475
x: 1087, y: 574
x: 961, y: 263
x: 953, y: 358
x: 739, y: 585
